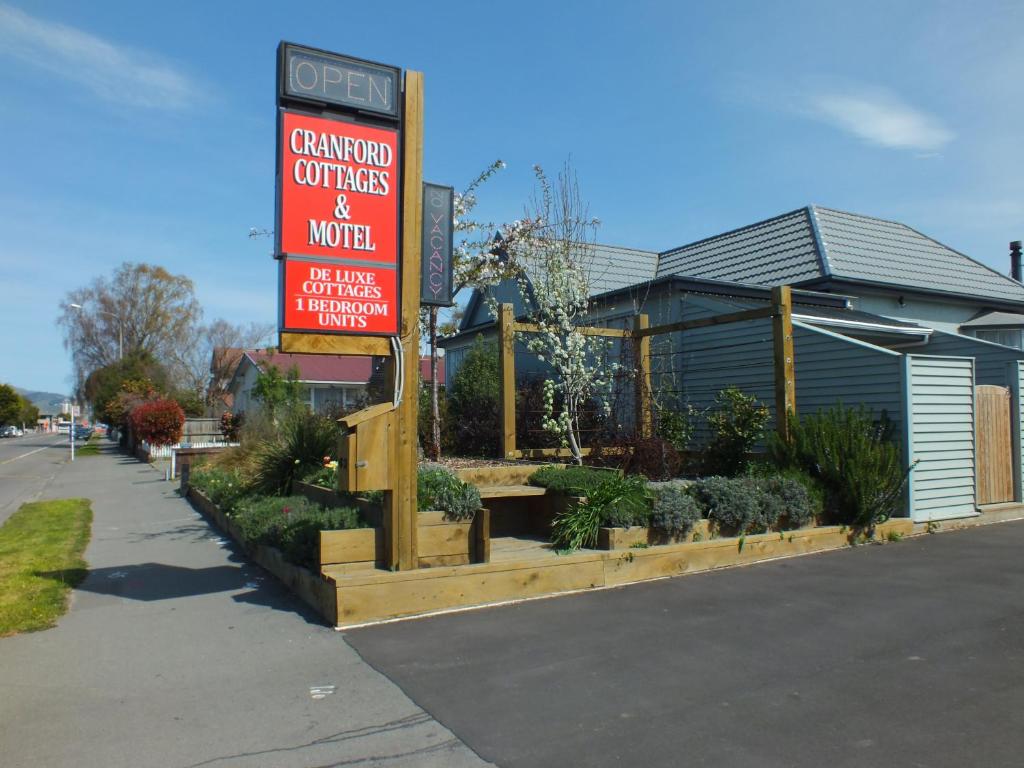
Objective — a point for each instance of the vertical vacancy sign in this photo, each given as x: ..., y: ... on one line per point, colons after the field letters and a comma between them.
x: 438, y: 230
x: 338, y: 186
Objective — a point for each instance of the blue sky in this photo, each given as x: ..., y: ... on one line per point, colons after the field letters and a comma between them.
x: 147, y: 134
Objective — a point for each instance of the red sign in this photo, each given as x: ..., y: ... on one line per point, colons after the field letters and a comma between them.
x: 339, y: 189
x: 331, y: 298
x: 338, y: 202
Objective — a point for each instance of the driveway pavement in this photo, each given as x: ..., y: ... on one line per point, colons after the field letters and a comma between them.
x: 908, y: 654
x: 176, y: 652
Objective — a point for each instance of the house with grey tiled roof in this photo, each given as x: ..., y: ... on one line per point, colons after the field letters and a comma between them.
x: 884, y: 316
x: 890, y: 268
x: 928, y: 335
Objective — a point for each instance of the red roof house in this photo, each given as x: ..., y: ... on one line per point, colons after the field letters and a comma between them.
x: 326, y: 381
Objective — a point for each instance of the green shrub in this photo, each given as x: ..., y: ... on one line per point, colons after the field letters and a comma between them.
x: 299, y: 537
x: 618, y: 501
x: 292, y: 524
x: 224, y: 487
x: 796, y: 507
x: 474, y: 396
x: 735, y: 504
x: 258, y: 515
x: 856, y: 458
x: 438, y: 488
x: 737, y: 424
x: 676, y: 426
x: 674, y: 511
x: 757, y: 503
x: 302, y: 441
x: 623, y: 501
x: 570, y: 480
x: 814, y: 488
x: 576, y: 527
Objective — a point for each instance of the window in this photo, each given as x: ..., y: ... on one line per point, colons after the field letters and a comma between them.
x: 329, y: 399
x: 1008, y: 338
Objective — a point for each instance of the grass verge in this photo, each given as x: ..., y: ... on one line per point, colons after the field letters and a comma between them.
x: 41, y: 548
x: 91, y: 448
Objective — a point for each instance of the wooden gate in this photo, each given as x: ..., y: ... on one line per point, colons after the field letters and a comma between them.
x: 995, y: 445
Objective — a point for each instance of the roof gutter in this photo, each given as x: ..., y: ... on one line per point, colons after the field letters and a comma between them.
x: 913, y: 344
x: 896, y: 290
x: 862, y: 326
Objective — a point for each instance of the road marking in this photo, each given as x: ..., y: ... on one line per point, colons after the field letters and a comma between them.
x: 320, y: 691
x: 37, y: 450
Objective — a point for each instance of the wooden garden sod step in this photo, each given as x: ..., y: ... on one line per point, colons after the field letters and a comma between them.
x: 510, y: 491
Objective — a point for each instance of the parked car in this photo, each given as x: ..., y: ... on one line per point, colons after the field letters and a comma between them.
x: 10, y: 431
x: 82, y: 432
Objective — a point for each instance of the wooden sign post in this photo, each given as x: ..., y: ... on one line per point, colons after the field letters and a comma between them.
x: 348, y: 234
x: 400, y: 510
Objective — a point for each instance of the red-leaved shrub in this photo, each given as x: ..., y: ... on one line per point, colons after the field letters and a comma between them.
x: 231, y: 425
x: 158, y: 422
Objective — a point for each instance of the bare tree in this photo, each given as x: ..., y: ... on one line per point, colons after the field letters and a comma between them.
x: 140, y: 308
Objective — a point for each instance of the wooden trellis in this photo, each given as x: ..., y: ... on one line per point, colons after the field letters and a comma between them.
x: 780, y: 310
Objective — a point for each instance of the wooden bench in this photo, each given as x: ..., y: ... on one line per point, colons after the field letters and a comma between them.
x: 510, y: 491
x: 517, y: 510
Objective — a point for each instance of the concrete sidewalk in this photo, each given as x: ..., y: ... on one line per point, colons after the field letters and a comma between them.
x: 177, y: 652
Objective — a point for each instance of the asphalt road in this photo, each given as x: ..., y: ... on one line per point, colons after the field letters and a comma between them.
x: 907, y: 654
x: 27, y: 465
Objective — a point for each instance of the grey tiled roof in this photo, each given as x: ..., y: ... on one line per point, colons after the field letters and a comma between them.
x: 995, y: 320
x: 614, y: 267
x: 779, y: 250
x: 815, y: 244
x: 863, y: 248
x: 611, y: 267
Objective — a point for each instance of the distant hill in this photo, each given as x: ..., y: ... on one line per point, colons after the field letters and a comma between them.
x: 46, y: 402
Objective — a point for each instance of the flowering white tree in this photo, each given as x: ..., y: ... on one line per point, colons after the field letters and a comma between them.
x: 552, y: 256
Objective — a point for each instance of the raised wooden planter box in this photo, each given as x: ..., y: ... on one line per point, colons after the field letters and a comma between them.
x: 439, y: 542
x: 637, y: 536
x: 518, y: 474
x: 317, y: 591
x: 374, y: 596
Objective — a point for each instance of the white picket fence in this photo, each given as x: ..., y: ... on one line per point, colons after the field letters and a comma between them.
x: 167, y: 451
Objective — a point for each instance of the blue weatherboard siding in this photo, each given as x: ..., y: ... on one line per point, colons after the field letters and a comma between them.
x: 829, y: 367
x: 942, y: 413
x: 989, y: 359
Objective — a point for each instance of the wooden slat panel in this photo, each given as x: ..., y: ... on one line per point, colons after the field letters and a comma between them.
x: 448, y: 539
x: 354, y: 546
x: 995, y: 448
x: 322, y: 344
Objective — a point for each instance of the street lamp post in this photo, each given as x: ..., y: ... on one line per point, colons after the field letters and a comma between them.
x: 71, y: 426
